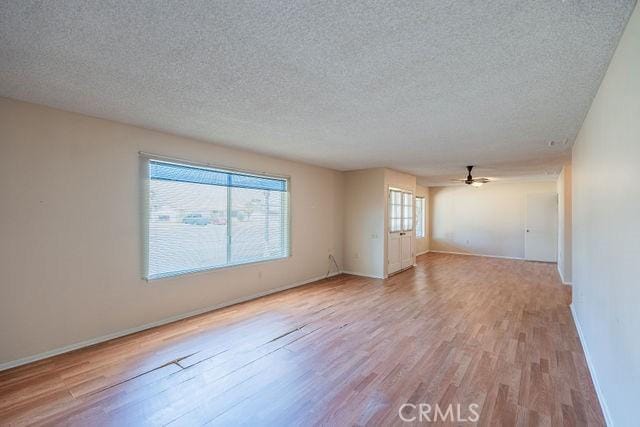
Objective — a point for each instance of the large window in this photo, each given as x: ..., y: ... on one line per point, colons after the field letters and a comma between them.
x: 200, y: 218
x: 420, y: 214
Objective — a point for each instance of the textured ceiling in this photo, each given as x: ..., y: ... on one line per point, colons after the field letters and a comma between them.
x: 420, y: 86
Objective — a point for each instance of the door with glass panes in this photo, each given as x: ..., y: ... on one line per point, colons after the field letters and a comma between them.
x: 400, y: 242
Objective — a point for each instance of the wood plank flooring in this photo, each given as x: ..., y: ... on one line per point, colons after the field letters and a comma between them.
x: 343, y: 351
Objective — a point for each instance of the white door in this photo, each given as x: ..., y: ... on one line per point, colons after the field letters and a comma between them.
x: 541, y: 229
x: 394, y: 253
x: 407, y: 252
x: 400, y: 242
x: 407, y: 230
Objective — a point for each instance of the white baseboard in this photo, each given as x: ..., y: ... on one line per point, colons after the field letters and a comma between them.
x: 564, y: 282
x: 356, y: 273
x: 472, y: 254
x: 594, y: 377
x: 422, y: 253
x: 103, y: 338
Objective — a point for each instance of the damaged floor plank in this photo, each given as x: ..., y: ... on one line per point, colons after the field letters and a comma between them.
x: 342, y: 351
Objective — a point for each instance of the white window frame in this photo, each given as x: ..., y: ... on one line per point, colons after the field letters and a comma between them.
x: 390, y: 214
x: 146, y: 158
x: 406, y: 222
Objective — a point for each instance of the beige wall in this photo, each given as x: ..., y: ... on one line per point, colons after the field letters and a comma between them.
x: 70, y: 227
x: 422, y: 245
x: 366, y: 219
x: 564, y: 223
x: 399, y: 180
x: 488, y: 220
x: 364, y: 222
x: 606, y: 232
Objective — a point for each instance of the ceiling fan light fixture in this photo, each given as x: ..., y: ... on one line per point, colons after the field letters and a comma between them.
x: 477, y: 184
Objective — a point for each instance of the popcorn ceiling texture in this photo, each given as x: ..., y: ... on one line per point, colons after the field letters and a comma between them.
x: 421, y: 86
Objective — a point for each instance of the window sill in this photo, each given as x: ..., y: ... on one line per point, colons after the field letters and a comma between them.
x: 175, y: 274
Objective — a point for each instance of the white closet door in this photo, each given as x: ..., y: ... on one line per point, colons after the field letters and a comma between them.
x: 541, y: 230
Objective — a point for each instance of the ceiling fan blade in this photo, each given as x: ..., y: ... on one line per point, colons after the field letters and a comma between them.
x: 470, y: 179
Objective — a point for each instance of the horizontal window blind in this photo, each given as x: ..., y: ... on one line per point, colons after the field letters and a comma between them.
x: 201, y: 218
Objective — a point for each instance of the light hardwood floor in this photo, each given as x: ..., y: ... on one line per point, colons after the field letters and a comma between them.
x: 344, y: 351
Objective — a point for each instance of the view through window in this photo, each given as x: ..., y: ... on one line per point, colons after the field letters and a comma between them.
x: 200, y: 218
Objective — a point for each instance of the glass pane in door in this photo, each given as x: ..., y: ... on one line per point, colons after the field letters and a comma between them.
x: 407, y: 211
x: 395, y: 211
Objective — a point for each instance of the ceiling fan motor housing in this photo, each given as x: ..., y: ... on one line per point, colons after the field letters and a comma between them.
x: 469, y: 177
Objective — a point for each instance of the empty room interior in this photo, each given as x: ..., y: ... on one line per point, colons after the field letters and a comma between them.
x: 357, y: 213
